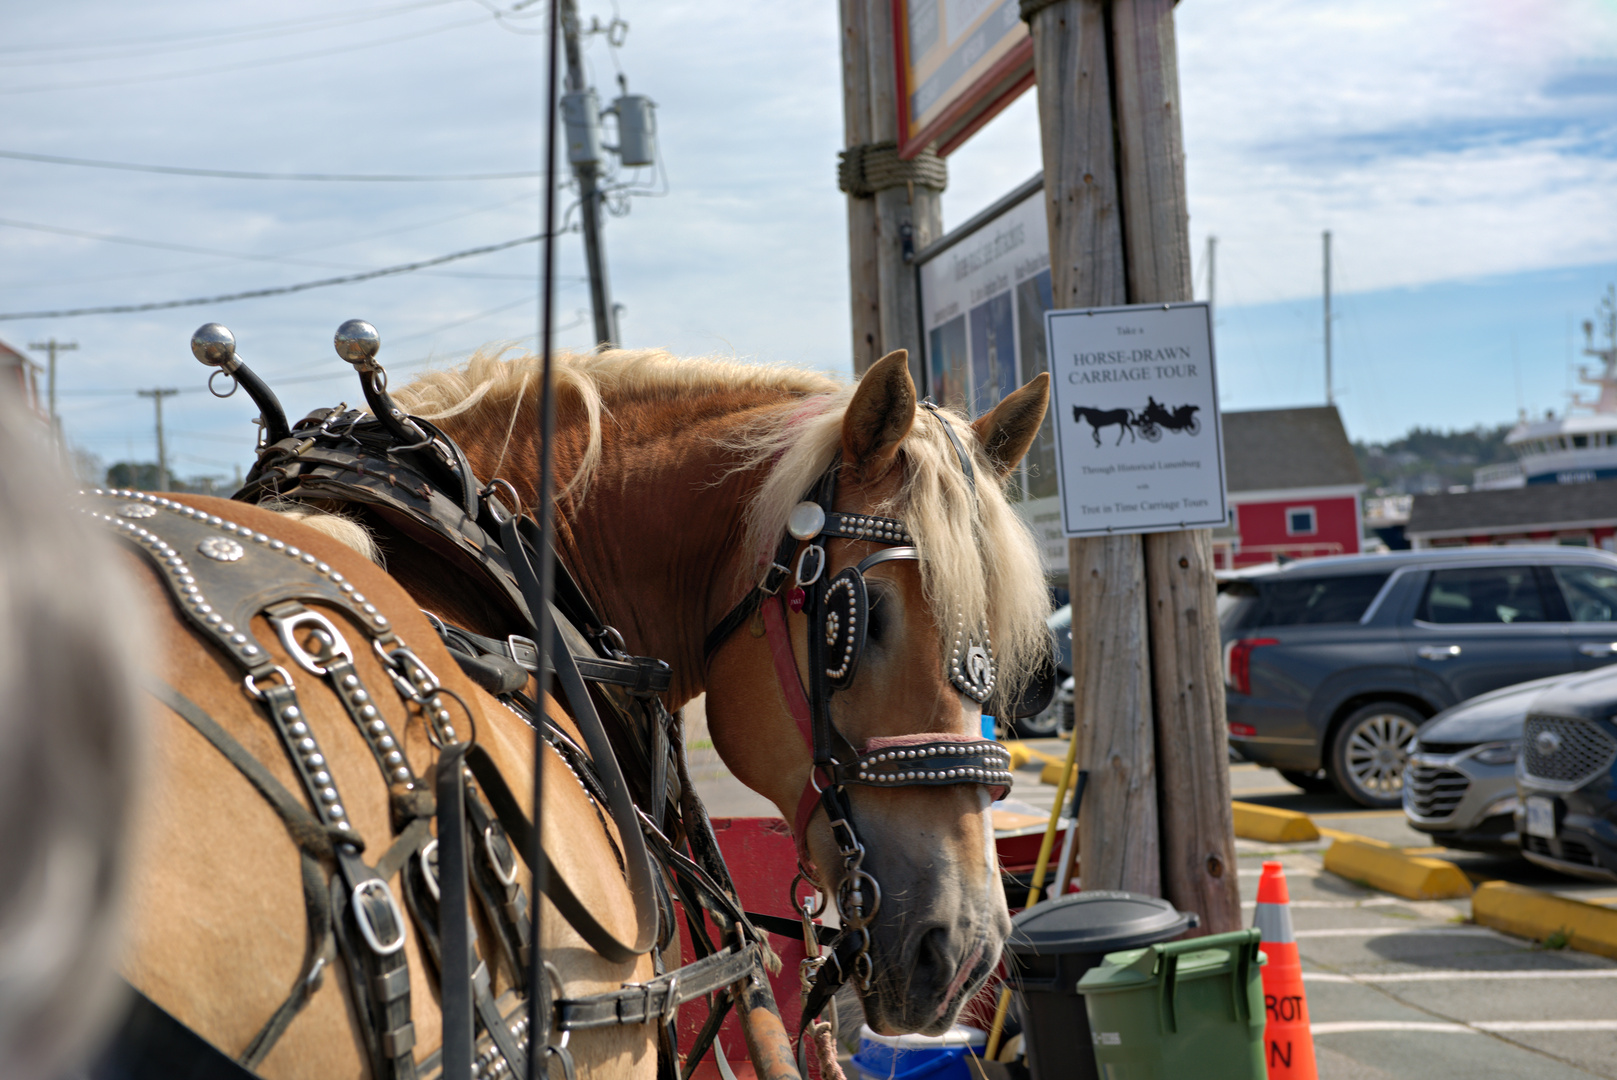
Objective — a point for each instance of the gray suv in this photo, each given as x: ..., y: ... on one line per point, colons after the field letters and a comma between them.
x: 1331, y: 665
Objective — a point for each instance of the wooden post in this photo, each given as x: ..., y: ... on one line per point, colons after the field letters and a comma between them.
x: 894, y: 213
x: 1145, y: 635
x: 1118, y: 833
x: 1198, y: 838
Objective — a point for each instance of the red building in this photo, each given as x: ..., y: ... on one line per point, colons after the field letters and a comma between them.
x: 1294, y: 484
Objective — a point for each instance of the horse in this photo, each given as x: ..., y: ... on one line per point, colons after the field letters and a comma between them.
x: 1099, y: 418
x: 675, y: 481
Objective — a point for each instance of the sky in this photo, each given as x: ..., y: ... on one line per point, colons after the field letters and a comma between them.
x: 1463, y: 154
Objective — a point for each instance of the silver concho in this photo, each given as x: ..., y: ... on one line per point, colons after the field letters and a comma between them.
x: 221, y: 549
x: 806, y: 520
x: 137, y: 510
x: 1547, y: 743
x: 971, y: 664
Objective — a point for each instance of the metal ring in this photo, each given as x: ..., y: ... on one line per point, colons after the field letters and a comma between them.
x: 235, y: 384
x: 621, y: 649
x: 257, y: 694
x: 817, y: 911
x: 819, y: 565
x: 498, y: 482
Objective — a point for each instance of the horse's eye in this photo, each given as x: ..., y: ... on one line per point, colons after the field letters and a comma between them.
x: 876, y: 618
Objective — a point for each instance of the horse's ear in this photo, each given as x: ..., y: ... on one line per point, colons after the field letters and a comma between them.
x: 880, y: 415
x: 1009, y: 430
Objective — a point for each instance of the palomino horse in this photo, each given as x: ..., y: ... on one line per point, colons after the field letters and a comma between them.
x: 676, y: 480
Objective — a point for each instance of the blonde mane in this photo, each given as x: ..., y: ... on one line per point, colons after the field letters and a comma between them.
x: 979, y: 562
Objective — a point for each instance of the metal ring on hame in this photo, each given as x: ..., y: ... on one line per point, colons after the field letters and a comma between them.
x: 234, y: 384
x: 258, y: 695
x: 497, y: 483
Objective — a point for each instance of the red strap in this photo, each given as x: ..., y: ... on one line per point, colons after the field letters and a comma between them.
x: 791, y: 687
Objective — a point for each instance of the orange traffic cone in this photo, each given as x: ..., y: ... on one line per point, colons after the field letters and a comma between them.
x: 1288, y: 1040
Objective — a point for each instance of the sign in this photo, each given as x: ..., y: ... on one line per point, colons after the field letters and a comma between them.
x: 984, y: 290
x: 1139, y: 444
x: 959, y: 63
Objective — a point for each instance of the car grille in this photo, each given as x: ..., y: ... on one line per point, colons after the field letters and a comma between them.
x: 1572, y: 851
x: 1433, y: 792
x: 1564, y: 751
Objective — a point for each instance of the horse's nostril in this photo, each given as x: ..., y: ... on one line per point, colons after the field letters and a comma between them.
x: 933, y: 966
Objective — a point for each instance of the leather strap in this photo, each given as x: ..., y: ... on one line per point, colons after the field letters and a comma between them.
x: 656, y: 999
x: 454, y: 915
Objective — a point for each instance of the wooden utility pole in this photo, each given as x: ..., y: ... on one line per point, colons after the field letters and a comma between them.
x: 1157, y: 817
x: 157, y: 397
x: 894, y: 207
x: 52, y: 347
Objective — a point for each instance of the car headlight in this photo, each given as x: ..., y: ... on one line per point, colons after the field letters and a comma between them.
x: 1499, y: 753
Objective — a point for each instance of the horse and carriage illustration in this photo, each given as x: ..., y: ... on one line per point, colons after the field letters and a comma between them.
x: 423, y: 807
x: 1150, y: 421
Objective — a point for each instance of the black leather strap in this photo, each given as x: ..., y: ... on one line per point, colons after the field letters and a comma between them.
x: 454, y: 915
x: 657, y: 998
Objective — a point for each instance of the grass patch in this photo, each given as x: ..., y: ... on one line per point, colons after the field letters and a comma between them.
x: 1559, y: 940
x: 700, y: 744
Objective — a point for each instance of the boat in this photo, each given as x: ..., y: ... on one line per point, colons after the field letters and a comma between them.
x: 1580, y: 445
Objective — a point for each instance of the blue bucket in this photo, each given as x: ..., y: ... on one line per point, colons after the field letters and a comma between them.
x: 914, y: 1057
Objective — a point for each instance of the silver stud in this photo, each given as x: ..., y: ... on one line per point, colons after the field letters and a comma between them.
x: 368, y: 711
x: 315, y: 761
x: 291, y: 712
x: 278, y: 545
x: 378, y: 727
x: 328, y: 794
x: 343, y: 825
x: 292, y: 551
x: 394, y: 758
x: 299, y: 729
x: 322, y: 777
x: 386, y: 742
x: 338, y: 813
x: 401, y: 774
x: 251, y: 650
x: 308, y: 746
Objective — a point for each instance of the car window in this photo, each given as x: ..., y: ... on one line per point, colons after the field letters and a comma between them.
x: 1483, y: 594
x: 1316, y: 601
x: 1590, y: 592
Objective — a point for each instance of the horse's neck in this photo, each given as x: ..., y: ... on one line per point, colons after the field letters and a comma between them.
x: 655, y: 543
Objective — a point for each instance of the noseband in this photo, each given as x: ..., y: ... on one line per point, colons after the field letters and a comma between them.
x: 838, y: 613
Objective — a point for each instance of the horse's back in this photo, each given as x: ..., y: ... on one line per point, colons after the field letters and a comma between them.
x: 219, y: 920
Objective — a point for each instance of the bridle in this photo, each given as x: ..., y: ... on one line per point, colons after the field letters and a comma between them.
x: 838, y: 612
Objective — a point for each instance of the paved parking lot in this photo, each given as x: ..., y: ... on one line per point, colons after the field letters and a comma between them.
x: 1396, y: 988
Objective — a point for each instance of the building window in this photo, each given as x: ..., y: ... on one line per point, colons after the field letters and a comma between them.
x: 1301, y: 521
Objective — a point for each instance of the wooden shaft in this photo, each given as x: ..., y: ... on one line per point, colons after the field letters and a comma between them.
x: 767, y: 1043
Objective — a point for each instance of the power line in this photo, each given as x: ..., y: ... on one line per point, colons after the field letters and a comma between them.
x: 126, y: 48
x: 253, y: 294
x: 230, y: 69
x: 242, y: 174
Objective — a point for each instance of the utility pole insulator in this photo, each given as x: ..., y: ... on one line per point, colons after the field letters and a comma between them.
x: 637, y: 130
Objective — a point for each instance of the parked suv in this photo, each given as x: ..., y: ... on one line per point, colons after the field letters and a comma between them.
x: 1331, y: 665
x: 1566, y: 778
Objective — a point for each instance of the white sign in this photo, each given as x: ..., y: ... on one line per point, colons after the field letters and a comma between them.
x: 984, y: 291
x: 1135, y: 401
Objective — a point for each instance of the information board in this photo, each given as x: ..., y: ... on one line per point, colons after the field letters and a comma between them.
x: 1135, y: 401
x: 959, y: 63
x: 984, y: 290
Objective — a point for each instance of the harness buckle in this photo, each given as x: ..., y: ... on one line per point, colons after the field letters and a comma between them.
x: 335, y: 644
x: 504, y: 868
x: 524, y: 650
x: 777, y: 572
x: 370, y: 895
x: 819, y: 565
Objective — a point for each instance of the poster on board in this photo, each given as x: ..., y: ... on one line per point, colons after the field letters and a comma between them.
x: 1134, y: 397
x: 959, y: 63
x: 984, y: 290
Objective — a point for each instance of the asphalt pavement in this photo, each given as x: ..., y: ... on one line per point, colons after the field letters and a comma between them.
x: 1396, y: 988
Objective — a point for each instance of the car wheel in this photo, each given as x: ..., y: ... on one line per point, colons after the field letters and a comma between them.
x: 1369, y: 751
x: 1314, y: 782
x: 1041, y: 725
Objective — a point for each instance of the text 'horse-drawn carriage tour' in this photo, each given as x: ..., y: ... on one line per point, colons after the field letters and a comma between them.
x: 341, y: 847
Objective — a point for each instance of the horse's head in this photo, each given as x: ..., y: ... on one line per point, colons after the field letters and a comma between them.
x: 970, y: 590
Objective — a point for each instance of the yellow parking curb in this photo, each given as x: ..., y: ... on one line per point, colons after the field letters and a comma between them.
x: 1051, y: 773
x: 1019, y: 754
x: 1254, y: 822
x: 1414, y: 877
x: 1529, y: 913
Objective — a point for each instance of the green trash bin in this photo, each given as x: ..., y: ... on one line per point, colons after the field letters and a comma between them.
x: 1186, y: 1008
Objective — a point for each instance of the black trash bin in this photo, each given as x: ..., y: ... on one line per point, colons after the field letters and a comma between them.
x: 1052, y: 944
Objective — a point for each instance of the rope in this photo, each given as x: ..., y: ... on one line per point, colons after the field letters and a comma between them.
x: 868, y: 168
